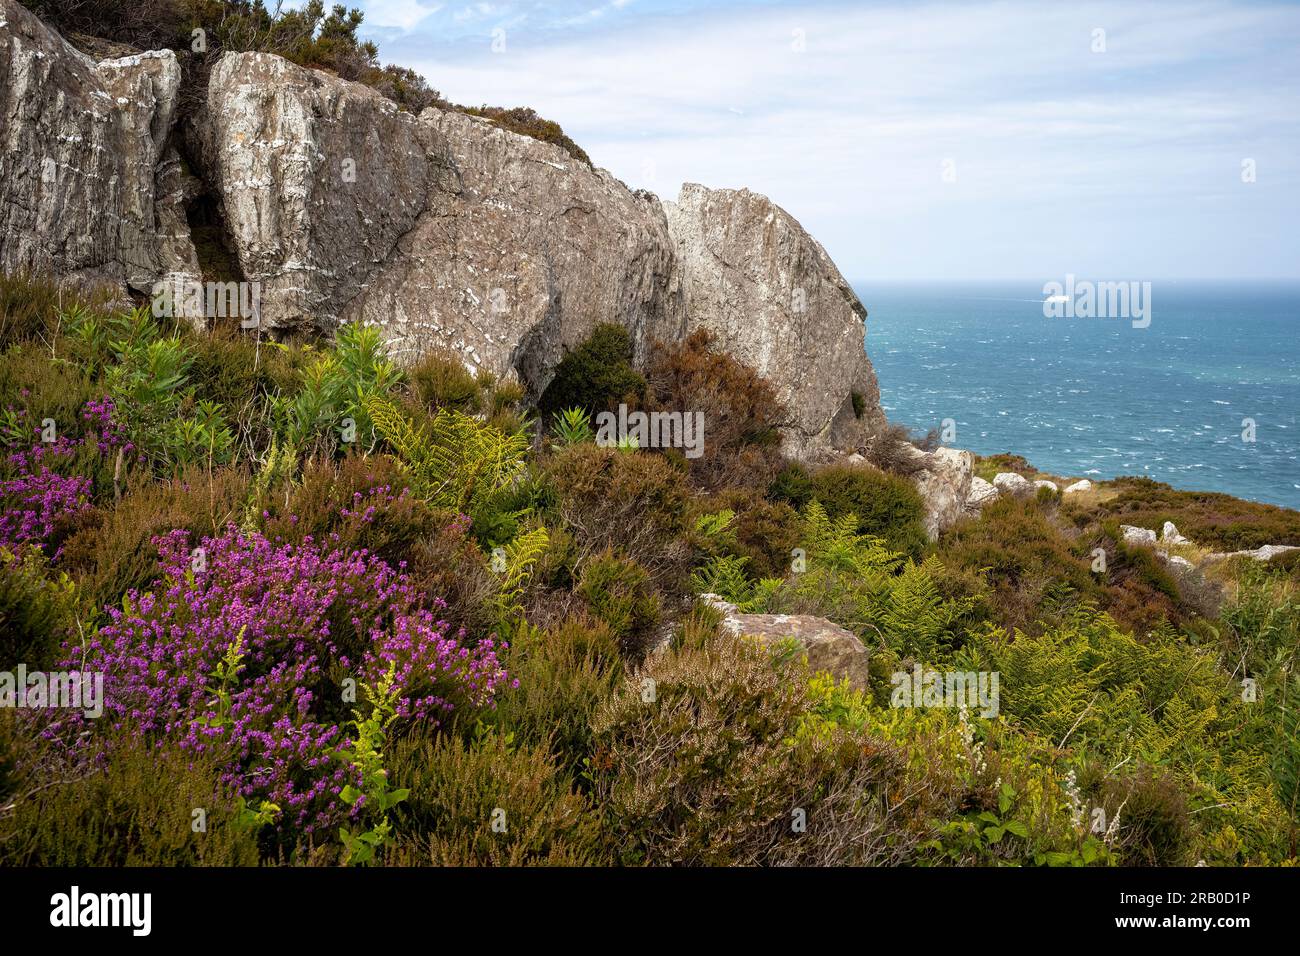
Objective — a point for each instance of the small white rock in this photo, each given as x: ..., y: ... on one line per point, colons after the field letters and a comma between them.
x: 1082, y: 484
x: 1134, y: 535
x: 1044, y: 483
x: 1169, y: 535
x: 981, y: 493
x: 1009, y: 483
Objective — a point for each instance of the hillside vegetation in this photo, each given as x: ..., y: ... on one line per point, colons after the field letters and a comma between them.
x: 355, y: 614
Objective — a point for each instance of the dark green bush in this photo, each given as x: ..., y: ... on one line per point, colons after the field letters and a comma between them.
x: 1024, y: 555
x: 886, y: 506
x: 792, y: 484
x: 355, y: 503
x: 761, y: 531
x: 596, y: 376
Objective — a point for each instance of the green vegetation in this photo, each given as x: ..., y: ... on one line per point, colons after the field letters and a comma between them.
x: 506, y: 662
x: 596, y: 376
x: 1212, y: 520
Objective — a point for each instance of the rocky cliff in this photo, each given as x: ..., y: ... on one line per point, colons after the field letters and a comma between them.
x: 81, y: 147
x: 443, y: 229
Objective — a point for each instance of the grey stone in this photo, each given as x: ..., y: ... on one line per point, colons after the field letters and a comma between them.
x: 829, y: 647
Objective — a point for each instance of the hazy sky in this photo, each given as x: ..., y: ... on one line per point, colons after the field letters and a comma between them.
x: 920, y: 140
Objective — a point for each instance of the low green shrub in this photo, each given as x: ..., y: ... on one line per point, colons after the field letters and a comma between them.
x: 635, y: 503
x: 887, y: 506
x: 696, y: 763
x: 148, y: 806
x: 619, y: 593
x: 564, y: 674
x: 37, y: 613
x: 440, y: 379
x: 488, y: 802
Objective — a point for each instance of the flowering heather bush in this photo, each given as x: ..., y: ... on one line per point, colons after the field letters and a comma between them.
x: 308, y: 619
x: 35, y: 494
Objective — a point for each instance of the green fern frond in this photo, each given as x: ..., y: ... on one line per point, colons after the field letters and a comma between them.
x: 518, y: 559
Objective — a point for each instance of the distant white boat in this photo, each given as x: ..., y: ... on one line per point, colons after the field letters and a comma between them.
x: 1057, y: 298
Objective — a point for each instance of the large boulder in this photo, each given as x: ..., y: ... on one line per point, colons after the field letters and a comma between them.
x: 80, y: 145
x: 749, y: 272
x: 317, y: 178
x: 521, y: 251
x: 444, y: 229
x: 944, y: 482
x: 829, y: 647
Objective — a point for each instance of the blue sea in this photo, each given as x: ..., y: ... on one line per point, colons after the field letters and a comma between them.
x: 1098, y: 398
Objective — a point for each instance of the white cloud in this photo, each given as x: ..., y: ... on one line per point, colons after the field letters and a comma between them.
x: 402, y: 14
x: 1101, y: 151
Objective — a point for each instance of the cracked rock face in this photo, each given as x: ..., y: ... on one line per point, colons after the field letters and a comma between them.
x: 520, y: 252
x: 80, y: 144
x: 318, y: 180
x: 750, y: 273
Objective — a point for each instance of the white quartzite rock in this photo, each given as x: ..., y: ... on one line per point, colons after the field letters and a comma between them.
x: 981, y: 493
x: 1082, y: 484
x: 1263, y: 553
x: 1137, y: 536
x: 1009, y: 483
x: 945, y: 487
